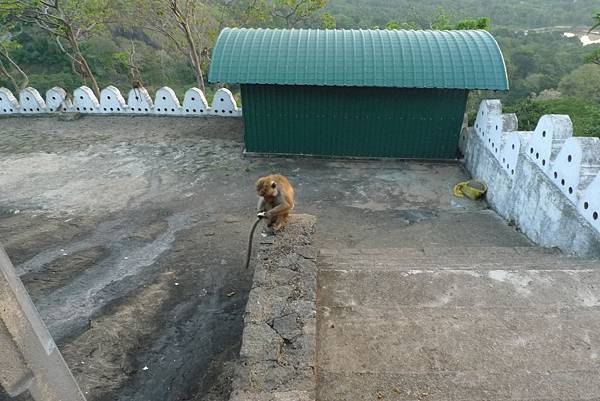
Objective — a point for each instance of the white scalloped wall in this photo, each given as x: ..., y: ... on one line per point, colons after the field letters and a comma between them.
x: 139, y: 101
x: 511, y: 148
x: 224, y: 104
x: 111, y: 101
x: 56, y: 99
x: 84, y: 100
x: 576, y: 161
x: 571, y: 163
x: 589, y: 204
x: 195, y: 103
x: 166, y: 101
x: 8, y: 102
x: 488, y: 110
x: 549, y: 135
x: 31, y: 101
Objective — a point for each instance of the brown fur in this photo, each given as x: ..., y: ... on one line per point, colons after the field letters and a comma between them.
x: 277, y: 199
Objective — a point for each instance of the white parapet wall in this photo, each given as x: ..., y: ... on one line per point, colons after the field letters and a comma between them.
x: 57, y: 100
x: 546, y: 181
x: 8, y: 102
x: 112, y: 102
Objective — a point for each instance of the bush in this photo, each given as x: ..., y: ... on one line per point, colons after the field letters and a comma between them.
x: 584, y: 113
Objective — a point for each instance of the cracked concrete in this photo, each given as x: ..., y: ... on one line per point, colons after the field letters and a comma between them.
x: 85, y: 200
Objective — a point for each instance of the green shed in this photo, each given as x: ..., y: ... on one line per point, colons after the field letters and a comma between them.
x: 362, y: 93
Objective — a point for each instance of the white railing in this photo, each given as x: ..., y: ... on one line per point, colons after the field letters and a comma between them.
x: 571, y: 163
x: 112, y: 101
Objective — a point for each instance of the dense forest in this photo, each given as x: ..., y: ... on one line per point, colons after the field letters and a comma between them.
x: 154, y: 43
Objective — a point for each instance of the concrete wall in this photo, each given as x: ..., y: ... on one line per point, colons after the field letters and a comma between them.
x: 111, y: 101
x: 546, y: 181
x: 29, y: 359
x: 279, y: 343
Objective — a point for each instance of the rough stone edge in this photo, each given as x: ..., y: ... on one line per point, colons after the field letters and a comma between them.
x: 277, y: 356
x: 531, y: 201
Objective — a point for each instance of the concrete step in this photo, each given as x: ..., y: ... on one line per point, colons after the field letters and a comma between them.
x: 459, y: 386
x: 421, y: 342
x: 457, y: 324
x: 460, y: 258
x: 513, y: 289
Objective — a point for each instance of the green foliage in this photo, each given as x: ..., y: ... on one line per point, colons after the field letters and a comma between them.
x: 593, y: 57
x: 327, y: 21
x: 506, y: 13
x: 583, y: 82
x: 471, y: 23
x: 597, y: 21
x: 584, y: 114
x: 278, y: 13
x: 404, y: 25
x: 536, y: 61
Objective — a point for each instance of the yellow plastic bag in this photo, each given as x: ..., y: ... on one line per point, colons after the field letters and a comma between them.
x: 472, y: 189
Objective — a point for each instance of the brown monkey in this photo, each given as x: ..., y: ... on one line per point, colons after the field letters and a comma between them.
x: 276, y: 199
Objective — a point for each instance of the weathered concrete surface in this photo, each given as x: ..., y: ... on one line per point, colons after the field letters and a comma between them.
x: 130, y: 233
x: 530, y: 200
x: 278, y: 345
x: 448, y: 324
x: 30, y: 359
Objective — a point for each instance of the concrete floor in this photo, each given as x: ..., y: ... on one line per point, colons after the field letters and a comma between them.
x: 456, y: 307
x: 404, y: 325
x: 129, y: 233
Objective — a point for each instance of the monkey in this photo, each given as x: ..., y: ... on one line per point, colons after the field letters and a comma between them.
x: 276, y: 199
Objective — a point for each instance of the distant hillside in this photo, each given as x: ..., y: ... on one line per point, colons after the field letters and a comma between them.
x: 505, y: 13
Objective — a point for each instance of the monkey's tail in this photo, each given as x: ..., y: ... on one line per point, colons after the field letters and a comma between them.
x: 250, y: 241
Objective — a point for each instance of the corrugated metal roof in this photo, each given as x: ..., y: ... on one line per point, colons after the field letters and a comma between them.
x: 383, y: 58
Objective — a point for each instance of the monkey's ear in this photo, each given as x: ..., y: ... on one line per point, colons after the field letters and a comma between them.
x: 273, y: 185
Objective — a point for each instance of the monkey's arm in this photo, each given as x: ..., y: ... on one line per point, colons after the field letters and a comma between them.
x: 282, y: 207
x: 261, y: 204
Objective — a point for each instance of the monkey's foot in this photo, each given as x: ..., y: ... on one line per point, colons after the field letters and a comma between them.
x: 278, y: 226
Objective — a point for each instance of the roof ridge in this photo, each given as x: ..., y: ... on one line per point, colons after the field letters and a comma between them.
x: 460, y: 59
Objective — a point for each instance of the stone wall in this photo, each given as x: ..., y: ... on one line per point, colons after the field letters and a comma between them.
x: 278, y: 344
x: 111, y: 101
x: 546, y: 182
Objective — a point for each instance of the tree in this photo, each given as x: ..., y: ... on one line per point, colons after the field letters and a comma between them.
x: 68, y: 21
x: 593, y: 57
x: 327, y: 21
x: 187, y: 24
x: 295, y: 12
x: 392, y: 24
x: 282, y: 13
x: 596, y: 20
x: 8, y: 66
x: 583, y: 82
x: 474, y: 23
x: 443, y: 21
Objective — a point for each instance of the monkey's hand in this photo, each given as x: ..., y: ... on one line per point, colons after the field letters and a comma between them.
x: 261, y: 215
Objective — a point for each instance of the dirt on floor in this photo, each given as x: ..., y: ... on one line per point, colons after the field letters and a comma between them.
x: 130, y: 234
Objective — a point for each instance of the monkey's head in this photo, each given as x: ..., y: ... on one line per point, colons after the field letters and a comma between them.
x: 266, y: 187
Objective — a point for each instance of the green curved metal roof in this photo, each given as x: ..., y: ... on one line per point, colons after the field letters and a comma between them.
x: 461, y: 59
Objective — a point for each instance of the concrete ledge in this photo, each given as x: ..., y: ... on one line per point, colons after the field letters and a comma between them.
x: 531, y: 201
x: 29, y: 358
x: 278, y: 344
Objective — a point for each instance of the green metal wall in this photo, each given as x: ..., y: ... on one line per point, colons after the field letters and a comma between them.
x: 353, y: 121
